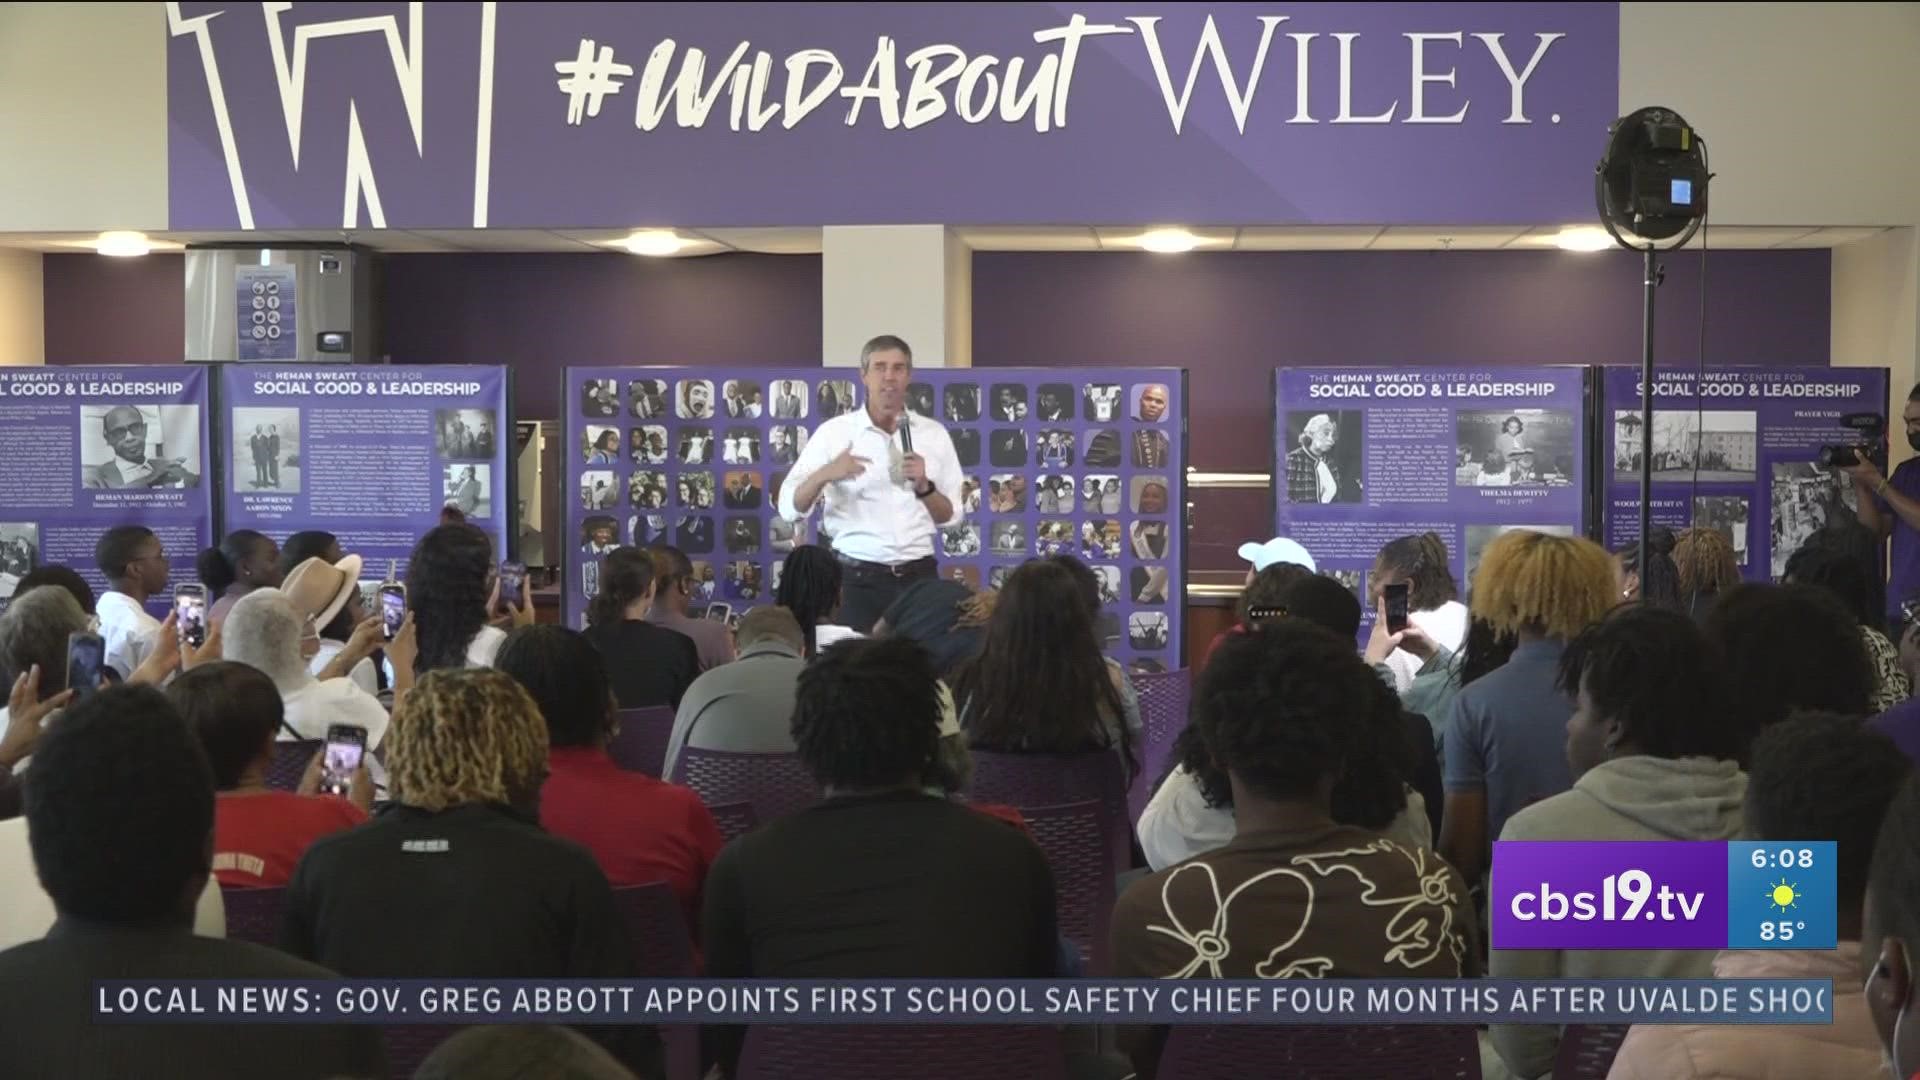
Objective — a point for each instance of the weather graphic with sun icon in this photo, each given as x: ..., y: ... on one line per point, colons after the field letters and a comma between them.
x: 1781, y: 897
x: 1784, y: 896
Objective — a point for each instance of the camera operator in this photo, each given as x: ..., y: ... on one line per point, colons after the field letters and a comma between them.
x: 1891, y: 508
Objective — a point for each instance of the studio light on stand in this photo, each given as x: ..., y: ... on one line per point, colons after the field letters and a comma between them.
x: 1651, y: 190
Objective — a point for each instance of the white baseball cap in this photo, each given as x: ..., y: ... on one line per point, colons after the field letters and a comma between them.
x: 1277, y: 550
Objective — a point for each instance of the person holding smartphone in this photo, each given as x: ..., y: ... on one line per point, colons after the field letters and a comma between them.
x: 264, y: 631
x: 1890, y: 506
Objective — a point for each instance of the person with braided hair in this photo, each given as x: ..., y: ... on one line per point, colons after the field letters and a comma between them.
x: 810, y: 582
x: 1502, y: 746
x: 456, y: 879
x: 1707, y: 568
x: 1433, y: 600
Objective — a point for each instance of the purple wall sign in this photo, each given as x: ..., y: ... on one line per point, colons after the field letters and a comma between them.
x: 1367, y: 455
x: 264, y: 312
x: 1738, y: 452
x: 518, y: 115
x: 90, y: 448
x: 1056, y: 460
x: 1666, y: 894
x: 368, y: 454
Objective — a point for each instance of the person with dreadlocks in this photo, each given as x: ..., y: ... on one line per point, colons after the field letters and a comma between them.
x: 1433, y: 600
x: 1503, y: 742
x: 1707, y: 568
x: 1658, y: 583
x: 456, y: 879
x: 810, y: 588
x: 649, y: 664
x: 447, y: 595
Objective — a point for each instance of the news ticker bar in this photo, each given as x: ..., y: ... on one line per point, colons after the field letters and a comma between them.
x: 1665, y: 894
x: 965, y: 1001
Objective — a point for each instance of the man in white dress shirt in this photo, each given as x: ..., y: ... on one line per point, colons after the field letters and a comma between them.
x: 887, y: 482
x: 135, y: 564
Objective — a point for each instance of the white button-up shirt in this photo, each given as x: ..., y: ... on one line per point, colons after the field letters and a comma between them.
x: 875, y: 517
x: 128, y: 632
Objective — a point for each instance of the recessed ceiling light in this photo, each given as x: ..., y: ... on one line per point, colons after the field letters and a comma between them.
x: 655, y: 242
x: 1169, y: 241
x: 124, y: 245
x: 1583, y: 238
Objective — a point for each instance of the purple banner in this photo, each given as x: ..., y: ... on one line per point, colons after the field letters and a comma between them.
x: 370, y: 454
x: 592, y: 116
x: 1666, y: 894
x: 1367, y: 455
x: 1086, y: 462
x: 90, y: 448
x: 1738, y: 452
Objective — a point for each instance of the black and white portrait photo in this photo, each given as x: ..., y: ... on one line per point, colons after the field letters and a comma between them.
x: 1323, y: 465
x: 693, y: 399
x: 1100, y: 494
x: 1727, y: 515
x: 962, y: 404
x: 696, y: 446
x: 784, y: 443
x: 145, y: 446
x: 742, y: 399
x: 1149, y: 584
x: 1008, y: 538
x: 600, y: 445
x: 1720, y: 447
x: 960, y: 542
x: 1054, y: 402
x: 742, y: 446
x: 966, y: 446
x: 835, y: 396
x: 1803, y: 497
x: 19, y: 554
x: 1109, y: 579
x: 598, y: 490
x: 1503, y: 448
x: 789, y: 399
x: 1007, y: 448
x: 464, y: 434
x: 1007, y: 493
x: 694, y: 491
x: 599, y: 398
x: 1103, y: 402
x: 742, y: 491
x: 266, y: 450
x: 743, y: 535
x: 1147, y: 629
x: 1150, y: 402
x: 997, y: 576
x: 648, y: 445
x: 1009, y: 403
x: 599, y: 535
x: 647, y: 399
x: 1053, y: 449
x: 970, y: 495
x: 1100, y: 540
x: 647, y: 490
x: 920, y: 400
x: 1479, y: 536
x: 469, y: 489
x: 1055, y: 494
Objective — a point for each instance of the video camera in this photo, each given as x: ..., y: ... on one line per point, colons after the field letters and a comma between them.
x: 1873, y: 442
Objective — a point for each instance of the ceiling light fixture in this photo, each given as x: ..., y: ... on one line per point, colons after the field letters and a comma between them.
x: 1583, y: 238
x: 654, y: 242
x: 1169, y: 241
x: 123, y: 245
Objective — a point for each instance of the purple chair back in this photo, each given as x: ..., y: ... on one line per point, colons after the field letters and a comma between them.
x: 1353, y: 1052
x: 290, y: 758
x: 891, y: 1051
x: 1025, y: 781
x: 1587, y: 1051
x: 641, y: 744
x: 663, y: 949
x: 773, y: 784
x: 733, y: 819
x: 254, y: 914
x: 1084, y: 873
x: 1165, y: 697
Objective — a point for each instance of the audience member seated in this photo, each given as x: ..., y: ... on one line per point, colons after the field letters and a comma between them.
x: 640, y: 829
x: 650, y: 664
x: 1262, y: 591
x: 447, y: 595
x: 740, y: 706
x: 265, y: 633
x: 259, y: 834
x: 1815, y: 777
x: 1040, y: 684
x: 882, y: 879
x: 673, y: 599
x: 1433, y: 600
x: 1891, y: 938
x: 54, y: 574
x: 1392, y: 787
x: 946, y: 617
x: 1503, y: 745
x: 1843, y: 576
x: 810, y: 588
x: 327, y: 595
x: 520, y: 1052
x: 120, y: 811
x: 456, y: 878
x: 1788, y: 649
x: 244, y: 561
x: 1652, y: 748
x: 135, y: 564
x: 1659, y: 585
x: 1295, y: 894
x: 1708, y: 568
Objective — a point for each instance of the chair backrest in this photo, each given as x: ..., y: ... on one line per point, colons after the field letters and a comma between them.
x: 662, y: 944
x: 641, y: 743
x: 773, y: 784
x: 1073, y: 838
x: 1353, y: 1052
x: 290, y: 759
x: 254, y: 914
x: 890, y: 1051
x: 1165, y: 697
x: 1024, y: 781
x: 1587, y: 1051
x: 733, y: 819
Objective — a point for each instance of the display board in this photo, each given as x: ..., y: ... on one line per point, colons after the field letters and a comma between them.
x: 370, y: 454
x: 1737, y: 450
x: 88, y: 448
x: 1088, y: 462
x: 1365, y: 455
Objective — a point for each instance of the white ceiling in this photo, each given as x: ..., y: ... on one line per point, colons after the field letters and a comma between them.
x: 806, y: 241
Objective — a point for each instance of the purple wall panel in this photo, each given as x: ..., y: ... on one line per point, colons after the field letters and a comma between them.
x: 102, y: 310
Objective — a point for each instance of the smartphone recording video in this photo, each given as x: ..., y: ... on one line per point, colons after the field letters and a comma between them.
x: 86, y: 659
x: 513, y: 583
x: 1395, y: 596
x: 345, y: 748
x: 393, y: 608
x: 190, y: 614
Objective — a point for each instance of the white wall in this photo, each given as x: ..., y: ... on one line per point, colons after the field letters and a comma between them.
x: 23, y: 309
x: 914, y: 281
x: 1876, y: 313
x: 83, y: 117
x: 1807, y: 108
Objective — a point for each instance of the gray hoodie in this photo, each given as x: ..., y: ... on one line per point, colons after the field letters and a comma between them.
x: 1629, y: 798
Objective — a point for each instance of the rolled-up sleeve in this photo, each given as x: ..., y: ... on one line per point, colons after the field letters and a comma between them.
x: 822, y: 448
